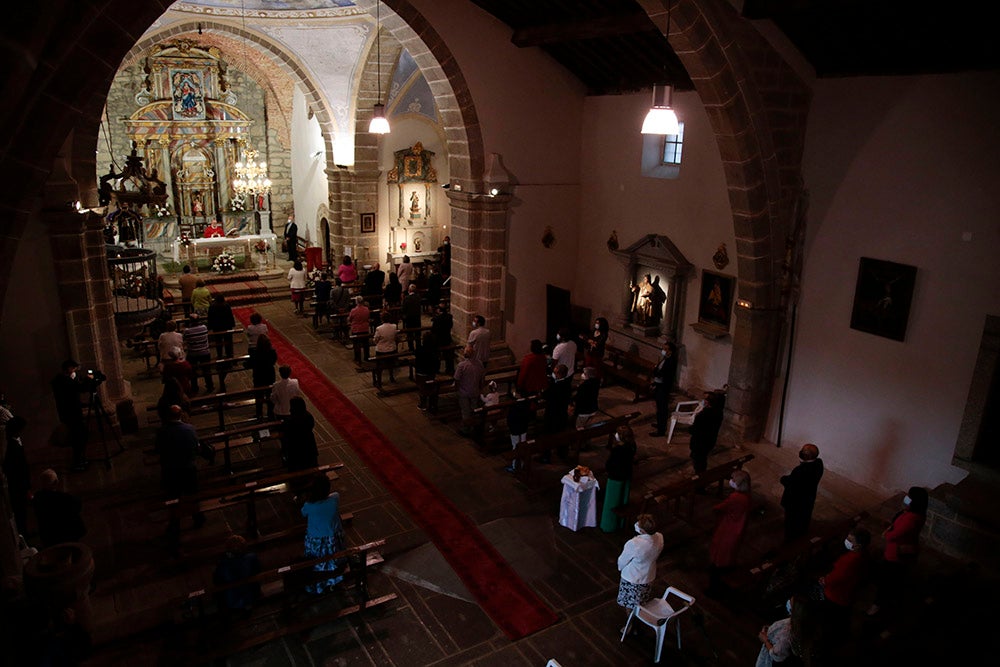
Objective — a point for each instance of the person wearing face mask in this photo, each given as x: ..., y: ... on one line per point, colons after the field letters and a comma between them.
x: 776, y: 640
x: 564, y: 352
x: 725, y: 544
x: 556, y: 418
x: 705, y: 431
x: 66, y: 388
x: 479, y: 339
x: 594, y: 344
x: 902, y: 537
x: 663, y: 383
x: 840, y: 584
x: 800, y: 492
x: 619, y: 469
x: 637, y: 564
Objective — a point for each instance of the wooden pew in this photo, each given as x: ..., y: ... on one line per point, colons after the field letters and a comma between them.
x: 629, y: 370
x: 487, y: 416
x: 205, y: 641
x: 246, y: 492
x: 145, y: 349
x: 524, y: 453
x: 241, y: 436
x: 223, y: 368
x: 762, y: 581
x: 685, y: 488
x: 445, y: 384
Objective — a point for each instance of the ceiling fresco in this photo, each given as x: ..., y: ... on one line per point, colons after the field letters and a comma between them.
x: 275, y: 8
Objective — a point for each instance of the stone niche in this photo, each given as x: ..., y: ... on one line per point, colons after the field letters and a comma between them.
x: 653, y: 288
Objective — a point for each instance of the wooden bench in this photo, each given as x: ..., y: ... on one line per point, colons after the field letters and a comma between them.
x: 431, y: 390
x: 383, y: 362
x: 241, y: 436
x: 487, y: 417
x: 145, y: 349
x: 223, y: 368
x: 685, y: 488
x: 247, y: 492
x: 629, y: 370
x: 761, y: 581
x: 204, y: 640
x: 523, y: 455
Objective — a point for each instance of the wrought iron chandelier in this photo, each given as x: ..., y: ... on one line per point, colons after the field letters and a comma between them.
x: 251, y: 176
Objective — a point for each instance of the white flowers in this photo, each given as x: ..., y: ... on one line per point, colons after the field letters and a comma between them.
x: 224, y: 263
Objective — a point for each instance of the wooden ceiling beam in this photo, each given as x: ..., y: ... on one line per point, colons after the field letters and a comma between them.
x: 606, y: 26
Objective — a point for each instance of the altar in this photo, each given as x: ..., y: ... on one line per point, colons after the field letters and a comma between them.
x: 189, y: 250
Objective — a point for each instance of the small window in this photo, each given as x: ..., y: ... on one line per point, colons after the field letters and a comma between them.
x: 672, y: 146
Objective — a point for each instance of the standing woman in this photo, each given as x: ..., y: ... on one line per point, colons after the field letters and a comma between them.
x: 902, y: 537
x: 637, y: 563
x: 298, y: 438
x: 593, y: 349
x: 705, y: 431
x: 324, y: 531
x: 733, y: 513
x: 297, y: 281
x: 347, y: 271
x: 262, y: 360
x: 405, y: 273
x: 619, y: 469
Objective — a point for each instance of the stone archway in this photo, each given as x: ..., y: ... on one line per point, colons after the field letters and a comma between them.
x: 757, y: 106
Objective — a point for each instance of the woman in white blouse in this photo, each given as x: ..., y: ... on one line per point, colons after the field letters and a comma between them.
x: 297, y: 281
x: 637, y: 563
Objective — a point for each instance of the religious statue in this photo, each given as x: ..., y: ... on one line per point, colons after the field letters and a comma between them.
x: 647, y: 301
x: 414, y: 205
x: 197, y: 205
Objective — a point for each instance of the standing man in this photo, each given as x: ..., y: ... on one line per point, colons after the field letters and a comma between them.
x: 188, y: 281
x: 198, y: 352
x: 411, y: 315
x: 177, y: 445
x: 564, y: 353
x: 292, y: 239
x: 445, y: 251
x: 385, y: 344
x: 468, y: 380
x: 556, y: 418
x: 441, y: 325
x: 283, y: 391
x: 220, y: 319
x: 372, y: 287
x: 479, y: 339
x: 800, y: 491
x: 663, y: 382
x: 66, y: 388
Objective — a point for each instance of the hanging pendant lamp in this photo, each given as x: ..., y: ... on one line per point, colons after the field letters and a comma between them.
x: 661, y: 118
x: 378, y: 124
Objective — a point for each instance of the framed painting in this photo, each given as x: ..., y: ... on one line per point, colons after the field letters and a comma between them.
x: 715, y: 305
x: 367, y: 223
x: 882, y: 297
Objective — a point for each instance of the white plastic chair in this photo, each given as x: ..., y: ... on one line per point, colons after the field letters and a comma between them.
x: 657, y: 613
x: 684, y: 413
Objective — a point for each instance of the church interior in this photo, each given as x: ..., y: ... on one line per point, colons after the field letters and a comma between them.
x: 813, y: 238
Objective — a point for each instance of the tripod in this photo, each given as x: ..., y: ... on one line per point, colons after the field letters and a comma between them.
x: 95, y: 410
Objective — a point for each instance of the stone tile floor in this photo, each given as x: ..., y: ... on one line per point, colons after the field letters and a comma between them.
x: 434, y: 621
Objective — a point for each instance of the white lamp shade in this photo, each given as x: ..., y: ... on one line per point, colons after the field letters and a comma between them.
x: 661, y: 120
x: 379, y: 124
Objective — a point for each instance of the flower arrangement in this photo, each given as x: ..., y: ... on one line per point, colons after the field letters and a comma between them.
x: 315, y: 275
x: 402, y: 246
x: 238, y: 204
x: 134, y: 284
x: 224, y: 263
x: 261, y: 247
x: 184, y: 240
x: 161, y: 211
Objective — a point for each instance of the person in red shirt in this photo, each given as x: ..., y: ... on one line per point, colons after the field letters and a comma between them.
x: 531, y: 378
x: 733, y: 512
x: 840, y: 584
x: 215, y: 228
x: 902, y: 538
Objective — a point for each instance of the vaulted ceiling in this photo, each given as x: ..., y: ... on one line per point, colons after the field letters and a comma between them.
x: 613, y: 47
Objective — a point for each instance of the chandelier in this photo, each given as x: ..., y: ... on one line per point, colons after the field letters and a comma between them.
x: 251, y: 176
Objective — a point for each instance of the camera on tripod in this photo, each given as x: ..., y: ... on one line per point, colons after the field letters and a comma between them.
x: 93, y: 379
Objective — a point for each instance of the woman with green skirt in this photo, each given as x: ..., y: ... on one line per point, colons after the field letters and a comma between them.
x: 619, y: 469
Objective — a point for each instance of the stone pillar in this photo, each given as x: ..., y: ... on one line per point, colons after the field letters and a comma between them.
x: 84, y: 288
x: 222, y: 174
x: 751, y: 373
x: 479, y: 249
x: 265, y: 223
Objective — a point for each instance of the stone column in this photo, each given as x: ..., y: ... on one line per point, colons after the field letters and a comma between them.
x: 165, y: 172
x: 479, y: 249
x: 751, y: 372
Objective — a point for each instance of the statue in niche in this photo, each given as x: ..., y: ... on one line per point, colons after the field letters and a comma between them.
x: 197, y: 205
x: 414, y: 204
x: 647, y: 301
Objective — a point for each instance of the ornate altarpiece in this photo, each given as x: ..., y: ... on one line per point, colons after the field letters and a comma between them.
x: 413, y: 231
x: 191, y: 133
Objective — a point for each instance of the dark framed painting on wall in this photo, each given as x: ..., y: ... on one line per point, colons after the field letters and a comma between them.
x: 715, y: 305
x: 882, y: 297
x: 367, y: 223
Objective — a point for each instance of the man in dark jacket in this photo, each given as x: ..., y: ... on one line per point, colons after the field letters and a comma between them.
x: 557, y: 399
x: 705, y: 430
x: 800, y: 491
x: 177, y: 444
x: 67, y: 387
x: 220, y: 318
x: 57, y: 512
x: 663, y: 383
x: 411, y: 315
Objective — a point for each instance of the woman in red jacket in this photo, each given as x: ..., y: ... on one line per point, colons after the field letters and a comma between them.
x: 902, y: 538
x: 733, y: 513
x: 841, y: 583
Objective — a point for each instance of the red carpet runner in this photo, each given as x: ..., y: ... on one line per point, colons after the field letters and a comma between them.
x: 493, y: 583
